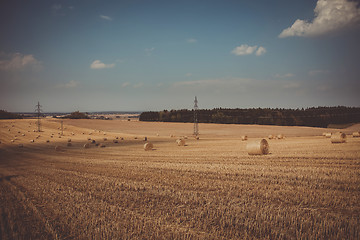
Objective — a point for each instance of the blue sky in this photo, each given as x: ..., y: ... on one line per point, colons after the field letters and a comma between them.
x: 153, y: 55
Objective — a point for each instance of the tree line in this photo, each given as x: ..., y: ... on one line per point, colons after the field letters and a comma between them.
x: 312, y: 117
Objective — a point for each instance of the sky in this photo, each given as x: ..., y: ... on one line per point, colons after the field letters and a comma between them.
x: 142, y: 55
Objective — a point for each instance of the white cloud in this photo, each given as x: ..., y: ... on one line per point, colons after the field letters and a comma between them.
x: 260, y: 51
x: 149, y: 51
x: 106, y: 17
x: 71, y: 84
x: 97, y: 64
x: 18, y: 61
x: 286, y: 75
x: 192, y: 40
x: 125, y: 84
x: 138, y: 85
x: 330, y: 16
x: 245, y: 49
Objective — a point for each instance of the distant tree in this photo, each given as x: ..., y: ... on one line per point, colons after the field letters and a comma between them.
x: 77, y: 115
x: 8, y: 115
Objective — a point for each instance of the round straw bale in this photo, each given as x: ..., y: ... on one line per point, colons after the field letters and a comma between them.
x: 58, y: 148
x: 180, y: 142
x: 197, y: 137
x: 86, y: 145
x: 148, y: 146
x: 270, y: 136
x: 12, y: 140
x: 328, y: 135
x: 171, y: 135
x: 69, y: 140
x: 338, y: 137
x: 280, y: 136
x: 356, y: 134
x: 23, y: 134
x: 32, y: 140
x: 244, y: 138
x: 324, y: 134
x: 69, y: 144
x: 257, y: 147
x: 157, y: 134
x: 90, y: 133
x: 185, y: 137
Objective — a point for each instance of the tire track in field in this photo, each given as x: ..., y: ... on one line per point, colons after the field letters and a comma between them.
x: 27, y: 204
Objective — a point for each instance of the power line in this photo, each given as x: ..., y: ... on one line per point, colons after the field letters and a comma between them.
x: 196, y: 125
x: 38, y: 112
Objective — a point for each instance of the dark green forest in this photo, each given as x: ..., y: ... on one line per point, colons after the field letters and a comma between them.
x: 312, y: 117
x: 8, y: 115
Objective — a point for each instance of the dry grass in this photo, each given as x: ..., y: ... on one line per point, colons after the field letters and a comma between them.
x: 306, y: 188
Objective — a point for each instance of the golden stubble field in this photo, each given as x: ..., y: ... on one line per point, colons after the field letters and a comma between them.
x: 306, y: 188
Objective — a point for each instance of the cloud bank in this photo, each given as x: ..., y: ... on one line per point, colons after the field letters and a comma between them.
x: 97, y: 64
x: 19, y: 62
x: 245, y: 49
x: 330, y: 16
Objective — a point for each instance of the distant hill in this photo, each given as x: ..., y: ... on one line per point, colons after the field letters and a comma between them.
x: 312, y: 117
x: 8, y: 115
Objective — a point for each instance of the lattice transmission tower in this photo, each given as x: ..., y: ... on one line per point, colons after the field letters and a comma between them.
x: 196, y: 125
x: 38, y: 112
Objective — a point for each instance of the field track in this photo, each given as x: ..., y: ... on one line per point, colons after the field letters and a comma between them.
x: 306, y: 188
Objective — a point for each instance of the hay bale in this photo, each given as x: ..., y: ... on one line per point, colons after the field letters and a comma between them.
x: 171, y: 135
x: 271, y: 136
x: 58, y: 148
x: 338, y: 137
x: 148, y: 146
x: 180, y: 142
x: 356, y: 134
x: 69, y: 144
x: 280, y: 136
x: 69, y: 140
x: 244, y: 138
x: 328, y: 135
x: 32, y: 140
x: 23, y: 134
x: 197, y: 137
x: 257, y: 147
x: 86, y: 145
x: 324, y: 134
x: 12, y: 140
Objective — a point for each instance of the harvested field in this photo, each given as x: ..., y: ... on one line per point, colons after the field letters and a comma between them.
x: 305, y: 188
